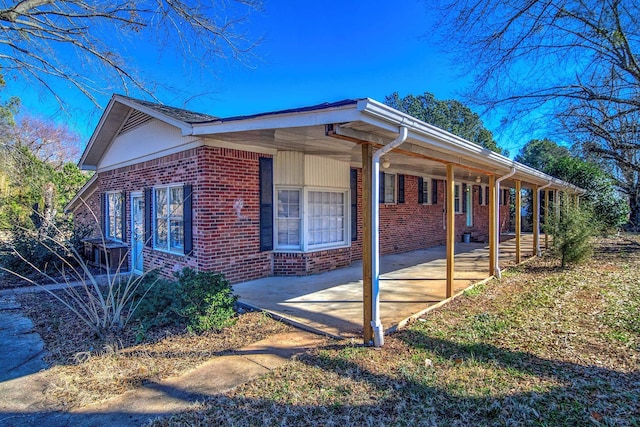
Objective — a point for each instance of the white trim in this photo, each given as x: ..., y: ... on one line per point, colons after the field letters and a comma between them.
x: 287, y: 248
x: 427, y: 182
x: 107, y: 220
x: 241, y: 147
x: 132, y: 195
x: 152, y: 156
x: 346, y: 220
x: 154, y: 226
x: 395, y: 188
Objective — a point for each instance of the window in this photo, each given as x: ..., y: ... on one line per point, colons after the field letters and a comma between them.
x: 504, y: 196
x: 388, y: 188
x: 425, y: 193
x: 311, y: 219
x: 326, y: 213
x: 456, y: 198
x: 288, y: 219
x: 169, y: 219
x: 114, y: 218
x: 483, y: 193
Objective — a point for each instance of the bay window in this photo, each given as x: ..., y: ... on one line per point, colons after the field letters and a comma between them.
x: 311, y: 219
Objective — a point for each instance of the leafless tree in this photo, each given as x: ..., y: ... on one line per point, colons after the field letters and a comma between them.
x: 574, y: 60
x: 84, y: 44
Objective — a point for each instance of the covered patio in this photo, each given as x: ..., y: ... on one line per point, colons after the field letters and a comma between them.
x: 331, y: 303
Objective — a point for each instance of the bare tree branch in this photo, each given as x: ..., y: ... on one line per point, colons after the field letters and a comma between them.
x: 84, y: 43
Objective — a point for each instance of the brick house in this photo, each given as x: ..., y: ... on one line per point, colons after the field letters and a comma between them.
x: 283, y: 193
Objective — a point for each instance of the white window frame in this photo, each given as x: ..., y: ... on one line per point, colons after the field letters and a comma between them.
x: 305, y: 220
x: 346, y: 220
x: 113, y: 232
x: 179, y: 250
x: 395, y: 189
x: 427, y: 190
x: 282, y: 247
x: 458, y: 187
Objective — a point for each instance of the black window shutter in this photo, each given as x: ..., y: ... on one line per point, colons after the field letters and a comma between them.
x: 147, y: 218
x: 486, y: 196
x: 480, y: 195
x: 266, y: 203
x: 420, y: 190
x: 434, y: 191
x: 381, y: 184
x: 464, y: 198
x: 400, y: 188
x: 123, y: 212
x: 354, y: 205
x: 187, y: 209
x: 103, y: 214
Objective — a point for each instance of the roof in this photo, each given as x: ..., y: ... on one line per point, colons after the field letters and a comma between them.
x: 355, y: 120
x: 180, y: 114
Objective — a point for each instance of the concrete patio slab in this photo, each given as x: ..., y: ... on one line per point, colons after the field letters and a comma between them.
x: 331, y: 303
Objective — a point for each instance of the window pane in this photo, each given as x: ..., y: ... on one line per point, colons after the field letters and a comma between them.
x: 326, y: 220
x: 389, y: 188
x: 161, y: 202
x: 177, y: 235
x: 161, y: 233
x: 177, y: 194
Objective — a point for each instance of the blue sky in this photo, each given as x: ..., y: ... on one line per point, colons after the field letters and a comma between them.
x: 310, y: 53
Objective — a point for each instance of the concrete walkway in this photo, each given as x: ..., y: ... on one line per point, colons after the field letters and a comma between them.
x: 20, y: 398
x: 24, y: 379
x: 331, y: 303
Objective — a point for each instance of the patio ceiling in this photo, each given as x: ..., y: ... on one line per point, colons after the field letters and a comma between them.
x: 412, y: 158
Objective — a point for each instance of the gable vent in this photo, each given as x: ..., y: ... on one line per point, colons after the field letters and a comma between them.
x: 135, y: 119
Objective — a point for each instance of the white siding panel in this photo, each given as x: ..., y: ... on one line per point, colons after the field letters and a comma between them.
x: 151, y: 138
x: 289, y: 168
x: 326, y: 172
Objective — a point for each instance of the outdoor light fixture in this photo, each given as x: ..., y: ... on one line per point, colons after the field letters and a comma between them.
x: 478, y: 180
x: 385, y: 164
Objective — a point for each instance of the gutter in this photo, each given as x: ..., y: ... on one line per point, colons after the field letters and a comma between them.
x: 538, y: 251
x: 497, y: 220
x: 378, y: 332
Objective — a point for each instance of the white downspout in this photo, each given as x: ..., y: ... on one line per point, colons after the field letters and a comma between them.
x: 538, y: 251
x: 378, y: 332
x: 497, y: 220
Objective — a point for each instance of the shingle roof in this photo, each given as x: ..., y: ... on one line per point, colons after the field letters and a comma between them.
x: 180, y: 114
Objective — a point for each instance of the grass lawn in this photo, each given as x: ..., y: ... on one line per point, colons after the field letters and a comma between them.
x: 543, y: 347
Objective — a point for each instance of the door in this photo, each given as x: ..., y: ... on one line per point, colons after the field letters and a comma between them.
x: 137, y: 231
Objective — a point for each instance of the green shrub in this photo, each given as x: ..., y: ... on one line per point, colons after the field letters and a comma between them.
x: 572, y: 234
x: 207, y: 300
x: 39, y: 248
x: 159, y: 303
x: 204, y: 301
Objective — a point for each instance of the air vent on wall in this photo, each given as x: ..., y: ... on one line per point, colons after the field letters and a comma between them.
x: 135, y: 119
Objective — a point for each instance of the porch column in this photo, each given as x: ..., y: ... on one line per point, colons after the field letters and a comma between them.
x: 367, y: 276
x: 451, y: 231
x: 536, y: 220
x: 556, y: 205
x: 518, y: 221
x: 492, y: 224
x: 546, y: 219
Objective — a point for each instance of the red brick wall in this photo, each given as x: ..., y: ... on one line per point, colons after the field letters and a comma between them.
x: 410, y: 226
x: 226, y: 217
x: 87, y: 215
x: 225, y: 236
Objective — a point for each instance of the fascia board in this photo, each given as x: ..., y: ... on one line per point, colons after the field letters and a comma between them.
x: 390, y: 119
x: 94, y: 135
x: 327, y: 116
